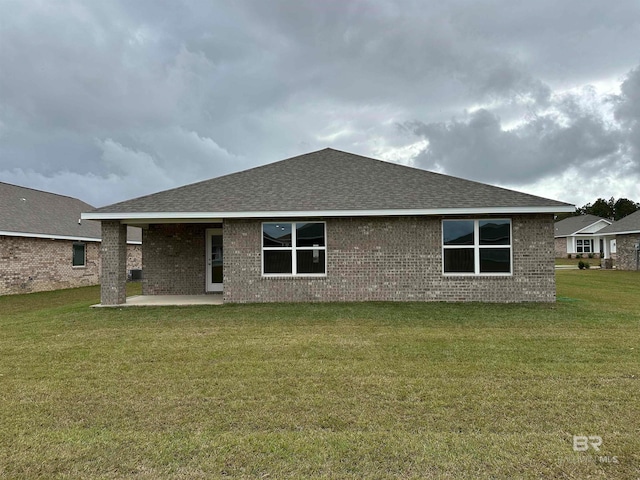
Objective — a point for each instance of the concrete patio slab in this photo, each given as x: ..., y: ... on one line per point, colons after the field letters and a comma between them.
x: 168, y: 300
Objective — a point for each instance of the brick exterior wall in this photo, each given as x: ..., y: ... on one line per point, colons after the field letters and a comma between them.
x: 113, y: 276
x: 134, y: 257
x: 39, y: 264
x: 625, y: 252
x: 30, y: 265
x: 173, y: 261
x: 389, y: 258
x: 561, y: 247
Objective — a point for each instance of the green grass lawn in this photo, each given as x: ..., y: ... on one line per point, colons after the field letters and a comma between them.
x: 373, y: 390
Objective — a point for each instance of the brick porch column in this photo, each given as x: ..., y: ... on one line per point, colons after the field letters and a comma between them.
x: 113, y: 277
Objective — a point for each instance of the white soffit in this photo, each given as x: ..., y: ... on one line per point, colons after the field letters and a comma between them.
x: 209, y: 216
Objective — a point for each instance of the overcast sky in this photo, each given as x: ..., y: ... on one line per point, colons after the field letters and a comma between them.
x: 106, y: 101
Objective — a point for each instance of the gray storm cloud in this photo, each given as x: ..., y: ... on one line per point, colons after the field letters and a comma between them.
x: 481, y: 148
x: 109, y: 100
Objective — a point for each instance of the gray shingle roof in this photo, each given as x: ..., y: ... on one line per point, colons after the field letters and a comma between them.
x: 628, y: 224
x: 24, y: 210
x: 571, y: 225
x: 329, y: 180
x: 28, y: 211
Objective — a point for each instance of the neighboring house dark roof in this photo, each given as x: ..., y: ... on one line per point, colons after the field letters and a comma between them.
x: 25, y: 210
x: 28, y: 212
x: 572, y: 225
x: 330, y: 181
x: 628, y: 224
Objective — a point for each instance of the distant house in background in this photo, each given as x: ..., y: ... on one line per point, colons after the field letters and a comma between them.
x: 626, y: 235
x: 580, y: 235
x: 45, y: 246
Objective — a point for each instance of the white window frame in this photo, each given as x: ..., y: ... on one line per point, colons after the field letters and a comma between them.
x: 584, y: 245
x: 293, y: 249
x: 476, y: 247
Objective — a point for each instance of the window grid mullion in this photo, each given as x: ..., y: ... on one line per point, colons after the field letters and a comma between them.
x: 294, y: 241
x: 476, y: 245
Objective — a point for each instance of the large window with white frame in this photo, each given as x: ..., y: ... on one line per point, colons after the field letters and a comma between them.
x: 477, y: 247
x: 294, y: 248
x: 584, y: 246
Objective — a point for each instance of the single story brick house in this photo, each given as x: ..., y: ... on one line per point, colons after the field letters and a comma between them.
x: 626, y: 233
x: 45, y: 246
x: 579, y: 235
x: 334, y: 226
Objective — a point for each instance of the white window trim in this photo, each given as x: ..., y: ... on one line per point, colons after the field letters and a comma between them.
x: 582, y: 243
x: 293, y: 249
x: 476, y: 249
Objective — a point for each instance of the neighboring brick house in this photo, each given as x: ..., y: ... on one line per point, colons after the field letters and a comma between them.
x: 579, y: 235
x: 45, y: 246
x: 626, y: 233
x: 333, y: 226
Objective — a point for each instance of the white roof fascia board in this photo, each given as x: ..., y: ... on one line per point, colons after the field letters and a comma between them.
x: 59, y: 237
x: 630, y: 232
x: 578, y: 234
x: 48, y: 236
x: 325, y: 213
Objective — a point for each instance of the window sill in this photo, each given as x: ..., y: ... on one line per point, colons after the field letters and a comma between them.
x: 298, y: 275
x: 78, y: 267
x: 477, y: 275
